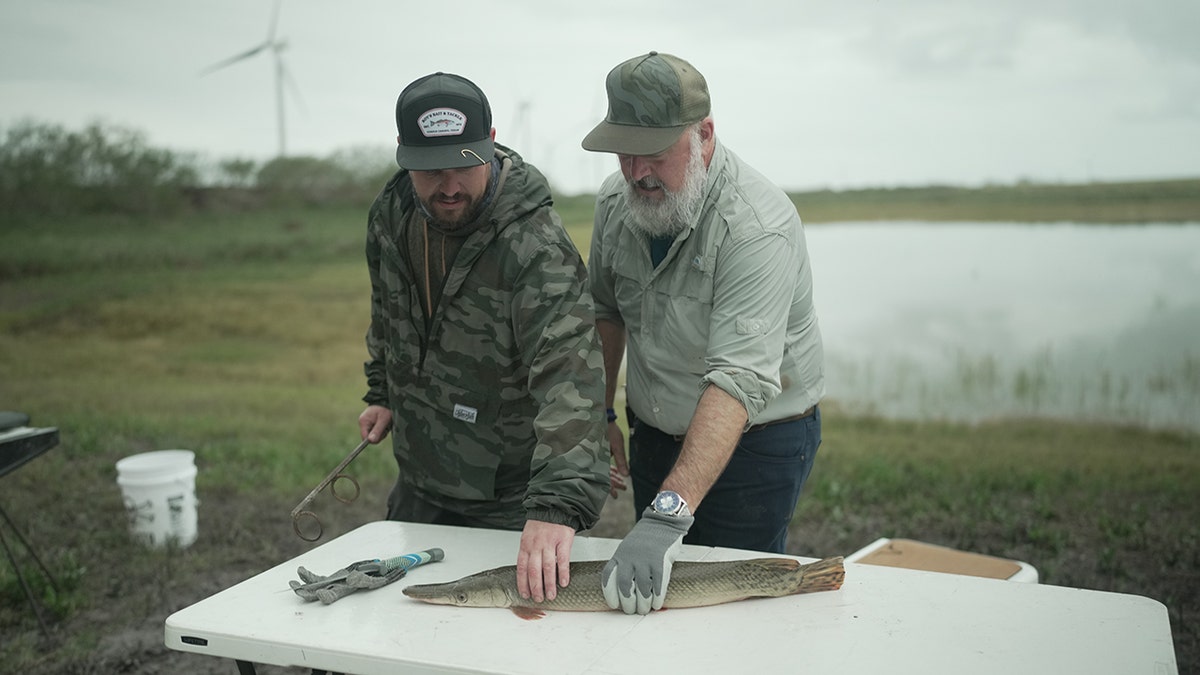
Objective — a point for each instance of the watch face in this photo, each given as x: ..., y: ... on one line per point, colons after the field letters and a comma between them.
x: 667, y: 502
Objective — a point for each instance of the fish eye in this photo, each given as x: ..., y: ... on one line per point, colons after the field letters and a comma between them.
x: 461, y: 598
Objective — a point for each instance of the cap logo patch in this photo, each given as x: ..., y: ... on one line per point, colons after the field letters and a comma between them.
x: 442, y: 122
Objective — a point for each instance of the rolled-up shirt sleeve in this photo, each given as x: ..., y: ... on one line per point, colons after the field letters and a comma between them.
x: 753, y: 288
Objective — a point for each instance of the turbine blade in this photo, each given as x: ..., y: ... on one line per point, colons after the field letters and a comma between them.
x: 234, y: 59
x: 274, y: 23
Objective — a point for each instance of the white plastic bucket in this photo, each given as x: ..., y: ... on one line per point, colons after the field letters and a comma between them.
x: 159, y: 489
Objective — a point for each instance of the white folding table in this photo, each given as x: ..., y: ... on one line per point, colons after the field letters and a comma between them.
x: 883, y: 619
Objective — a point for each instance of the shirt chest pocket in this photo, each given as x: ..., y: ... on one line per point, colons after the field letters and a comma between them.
x: 681, y: 302
x: 629, y: 282
x: 633, y: 278
x: 693, y: 279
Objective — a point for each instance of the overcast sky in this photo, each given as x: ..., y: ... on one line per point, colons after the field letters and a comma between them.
x: 836, y: 93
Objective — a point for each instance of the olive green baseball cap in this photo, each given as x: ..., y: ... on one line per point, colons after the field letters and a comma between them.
x: 651, y: 99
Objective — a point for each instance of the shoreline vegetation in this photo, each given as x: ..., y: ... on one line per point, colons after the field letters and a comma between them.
x: 1116, y: 203
x: 233, y: 326
x: 1168, y: 201
x: 48, y: 169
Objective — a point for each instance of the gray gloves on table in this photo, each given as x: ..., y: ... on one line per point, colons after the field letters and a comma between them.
x: 636, y: 578
x: 363, y: 575
x: 340, y: 584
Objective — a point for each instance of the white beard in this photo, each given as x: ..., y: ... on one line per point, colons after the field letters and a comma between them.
x: 676, y: 211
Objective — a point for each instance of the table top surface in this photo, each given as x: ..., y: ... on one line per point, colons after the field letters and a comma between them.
x: 890, y: 619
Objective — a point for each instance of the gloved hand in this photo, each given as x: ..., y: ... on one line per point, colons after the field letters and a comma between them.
x: 341, y: 583
x: 636, y: 578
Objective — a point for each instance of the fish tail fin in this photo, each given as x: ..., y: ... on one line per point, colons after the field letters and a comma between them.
x: 823, y: 575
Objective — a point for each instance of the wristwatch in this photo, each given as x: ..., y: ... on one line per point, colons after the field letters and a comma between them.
x: 669, y: 503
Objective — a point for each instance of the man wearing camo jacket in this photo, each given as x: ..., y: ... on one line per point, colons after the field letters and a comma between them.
x: 484, y: 359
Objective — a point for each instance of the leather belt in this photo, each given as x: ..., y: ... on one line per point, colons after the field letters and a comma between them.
x: 759, y: 427
x: 794, y: 418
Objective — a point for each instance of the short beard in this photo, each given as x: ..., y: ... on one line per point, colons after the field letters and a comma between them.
x: 676, y: 211
x: 468, y: 216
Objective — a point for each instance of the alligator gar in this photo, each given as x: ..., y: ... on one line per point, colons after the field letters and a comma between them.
x: 693, y: 584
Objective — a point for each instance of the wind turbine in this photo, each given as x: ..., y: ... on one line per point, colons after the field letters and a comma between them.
x: 275, y: 46
x: 521, y: 134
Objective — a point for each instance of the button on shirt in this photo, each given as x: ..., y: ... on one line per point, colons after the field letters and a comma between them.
x: 731, y: 304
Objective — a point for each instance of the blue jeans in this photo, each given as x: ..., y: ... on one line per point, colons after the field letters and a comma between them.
x: 751, y: 504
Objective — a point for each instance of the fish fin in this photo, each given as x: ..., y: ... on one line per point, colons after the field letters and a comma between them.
x: 528, y: 613
x: 823, y: 575
x: 779, y: 565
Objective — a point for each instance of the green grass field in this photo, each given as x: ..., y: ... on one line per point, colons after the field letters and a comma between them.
x: 240, y: 336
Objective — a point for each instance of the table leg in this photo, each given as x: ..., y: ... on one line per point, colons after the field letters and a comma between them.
x: 33, y: 603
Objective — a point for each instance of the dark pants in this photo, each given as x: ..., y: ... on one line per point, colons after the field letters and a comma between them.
x: 405, y: 504
x: 751, y: 504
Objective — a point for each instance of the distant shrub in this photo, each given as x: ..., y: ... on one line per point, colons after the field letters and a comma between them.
x: 48, y: 169
x: 352, y: 175
x: 237, y: 172
x: 369, y: 166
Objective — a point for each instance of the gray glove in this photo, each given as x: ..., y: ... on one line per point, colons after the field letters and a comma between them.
x: 341, y: 583
x: 636, y: 578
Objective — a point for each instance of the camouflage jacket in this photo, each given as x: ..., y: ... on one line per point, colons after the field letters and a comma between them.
x: 497, y: 410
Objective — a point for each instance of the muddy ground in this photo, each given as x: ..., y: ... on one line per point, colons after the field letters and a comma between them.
x: 243, y: 534
x: 234, y: 544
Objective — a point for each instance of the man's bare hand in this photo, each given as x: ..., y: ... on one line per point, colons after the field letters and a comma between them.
x: 544, y: 561
x: 374, y: 423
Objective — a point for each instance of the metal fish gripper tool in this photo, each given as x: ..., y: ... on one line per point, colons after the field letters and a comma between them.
x: 301, y: 512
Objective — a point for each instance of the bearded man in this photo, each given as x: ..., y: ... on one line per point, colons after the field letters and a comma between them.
x: 484, y: 362
x: 699, y: 268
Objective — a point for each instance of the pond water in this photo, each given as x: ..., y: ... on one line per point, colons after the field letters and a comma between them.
x: 973, y: 321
